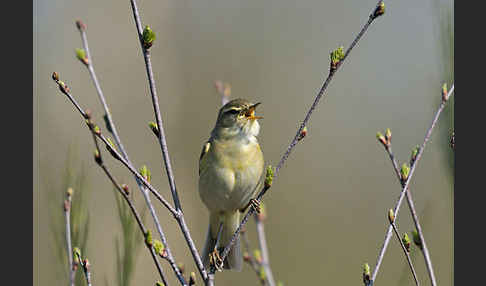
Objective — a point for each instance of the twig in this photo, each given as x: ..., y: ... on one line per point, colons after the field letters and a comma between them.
x: 97, y: 134
x: 405, y: 187
x: 293, y: 143
x: 67, y: 215
x: 132, y: 208
x: 411, y: 206
x: 86, y: 268
x: 163, y: 144
x: 249, y: 258
x: 407, y: 254
x: 112, y: 128
x: 264, y: 249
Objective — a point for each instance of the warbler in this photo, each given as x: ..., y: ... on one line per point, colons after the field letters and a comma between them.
x: 231, y: 171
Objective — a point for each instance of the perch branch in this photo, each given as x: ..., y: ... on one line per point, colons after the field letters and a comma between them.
x: 293, y: 143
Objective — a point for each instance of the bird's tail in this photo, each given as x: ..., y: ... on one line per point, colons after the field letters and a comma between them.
x: 234, y: 260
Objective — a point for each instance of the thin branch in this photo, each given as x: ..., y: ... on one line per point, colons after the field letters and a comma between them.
x: 248, y: 257
x: 132, y: 208
x: 86, y: 268
x: 407, y: 254
x: 138, y: 219
x: 411, y: 206
x: 264, y: 249
x: 163, y: 145
x: 293, y: 143
x: 67, y: 215
x: 64, y: 89
x: 405, y: 187
x: 112, y: 128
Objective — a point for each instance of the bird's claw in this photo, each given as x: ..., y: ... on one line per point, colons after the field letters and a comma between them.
x: 215, y: 259
x: 256, y: 205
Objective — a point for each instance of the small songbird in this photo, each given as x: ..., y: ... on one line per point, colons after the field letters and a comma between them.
x: 231, y: 171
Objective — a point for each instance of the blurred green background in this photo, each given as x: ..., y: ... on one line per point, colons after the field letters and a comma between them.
x: 327, y: 209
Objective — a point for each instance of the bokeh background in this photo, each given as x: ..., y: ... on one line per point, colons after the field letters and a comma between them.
x: 327, y: 209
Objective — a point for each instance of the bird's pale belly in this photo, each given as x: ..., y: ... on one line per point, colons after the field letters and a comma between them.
x: 230, y: 184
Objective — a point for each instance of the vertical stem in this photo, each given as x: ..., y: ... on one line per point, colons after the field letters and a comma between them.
x: 264, y: 249
x: 67, y: 215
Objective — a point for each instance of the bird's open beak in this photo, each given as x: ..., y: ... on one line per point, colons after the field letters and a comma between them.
x: 250, y: 113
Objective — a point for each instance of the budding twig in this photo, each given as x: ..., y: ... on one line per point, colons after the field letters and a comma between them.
x: 112, y: 128
x: 293, y: 143
x: 67, y: 215
x: 404, y: 191
x: 86, y: 267
x: 264, y: 248
x: 163, y: 142
x: 391, y: 217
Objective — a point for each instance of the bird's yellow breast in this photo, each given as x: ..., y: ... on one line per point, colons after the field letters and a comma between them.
x: 229, y: 174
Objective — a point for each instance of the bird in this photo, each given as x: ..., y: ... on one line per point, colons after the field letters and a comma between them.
x: 231, y: 170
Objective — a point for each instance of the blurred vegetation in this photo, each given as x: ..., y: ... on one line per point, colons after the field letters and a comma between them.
x: 75, y: 178
x: 128, y: 247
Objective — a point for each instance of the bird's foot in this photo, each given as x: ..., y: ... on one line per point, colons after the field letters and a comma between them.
x: 256, y: 205
x: 215, y: 259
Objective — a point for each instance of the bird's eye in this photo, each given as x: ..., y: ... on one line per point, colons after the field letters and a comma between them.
x: 233, y: 111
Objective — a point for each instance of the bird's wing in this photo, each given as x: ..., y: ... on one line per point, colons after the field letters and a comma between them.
x: 204, y: 151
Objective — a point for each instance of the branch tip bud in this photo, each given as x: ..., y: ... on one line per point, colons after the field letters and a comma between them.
x: 388, y: 136
x: 444, y: 92
x: 380, y: 10
x: 148, y: 238
x: 154, y: 127
x: 382, y: 139
x: 404, y: 172
x: 192, y: 278
x: 145, y: 172
x: 336, y: 56
x: 97, y: 157
x: 159, y: 248
x: 302, y: 133
x: 148, y: 37
x: 414, y: 154
x: 81, y: 55
x: 269, y: 177
x: 181, y: 267
x: 69, y: 192
x: 80, y: 25
x: 416, y: 239
x: 125, y: 189
x: 406, y: 241
x: 391, y: 216
x: 366, y: 274
x: 55, y: 76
